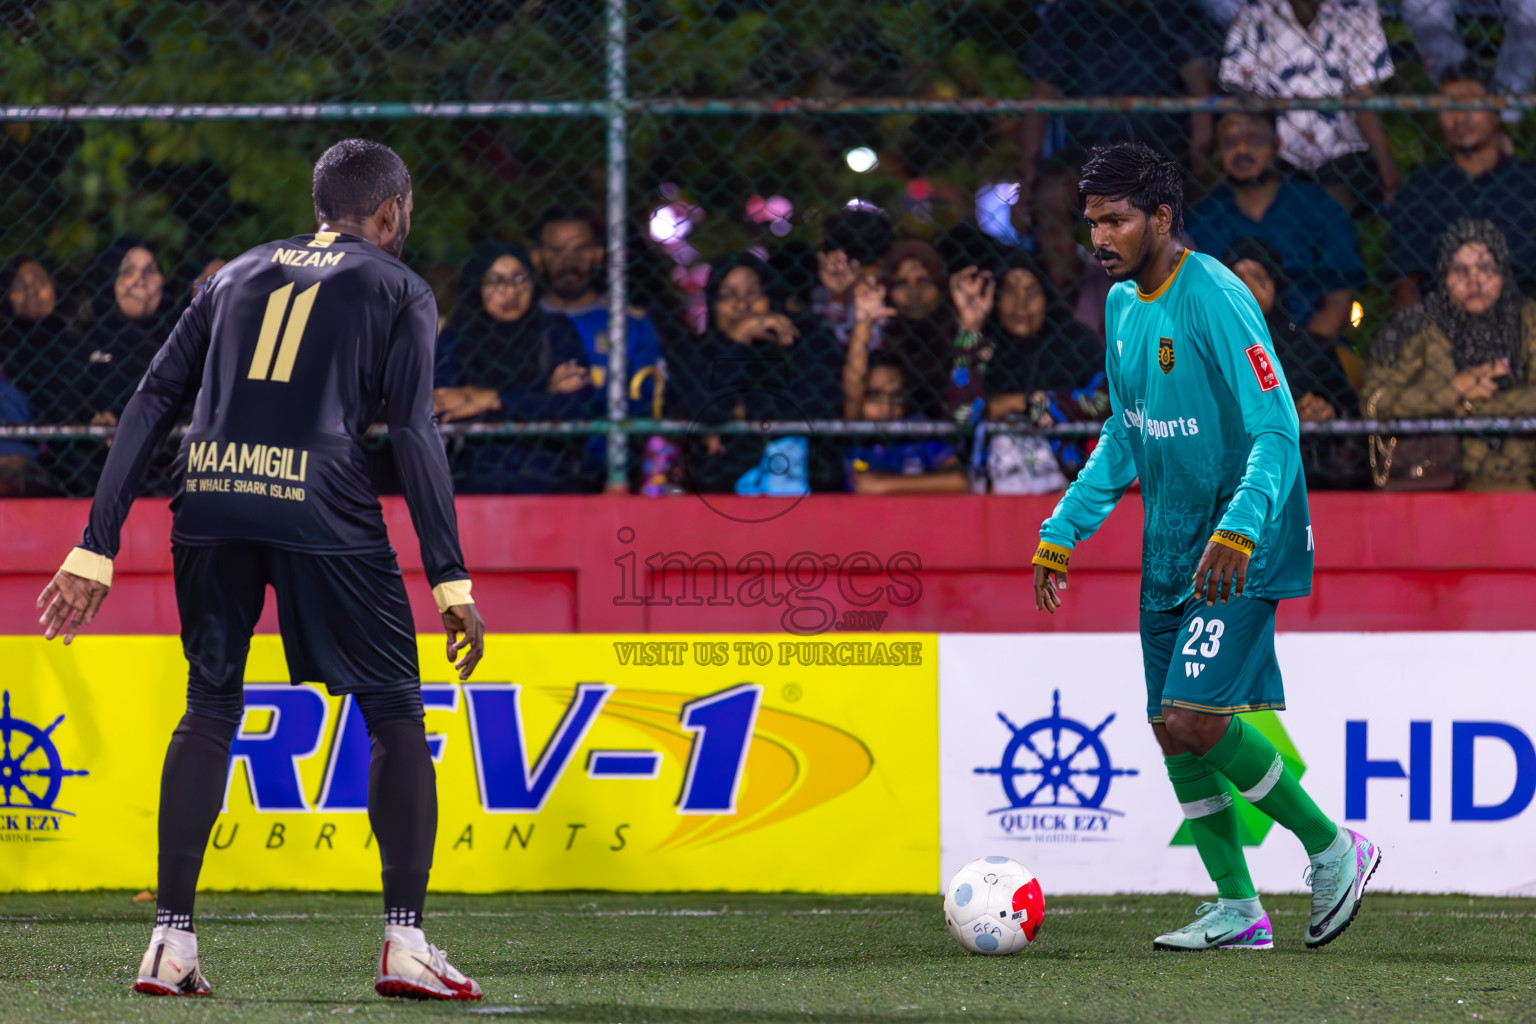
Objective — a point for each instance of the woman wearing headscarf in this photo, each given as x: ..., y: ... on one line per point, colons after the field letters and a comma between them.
x: 1045, y: 365
x: 1467, y: 351
x: 922, y: 332
x: 34, y: 338
x: 1317, y: 378
x: 503, y: 357
x: 751, y: 363
x: 1041, y: 351
x: 133, y: 318
x: 97, y: 374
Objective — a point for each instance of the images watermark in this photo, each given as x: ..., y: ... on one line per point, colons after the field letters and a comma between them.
x: 817, y: 591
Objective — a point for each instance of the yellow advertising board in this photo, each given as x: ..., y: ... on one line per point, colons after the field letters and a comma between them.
x: 647, y: 762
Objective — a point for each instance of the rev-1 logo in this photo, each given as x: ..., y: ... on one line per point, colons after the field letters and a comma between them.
x: 510, y: 781
x: 1071, y: 761
x: 31, y: 775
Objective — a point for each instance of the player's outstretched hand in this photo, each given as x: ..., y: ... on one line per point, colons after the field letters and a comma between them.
x: 68, y: 604
x: 1221, y: 574
x: 1048, y: 586
x: 464, y: 619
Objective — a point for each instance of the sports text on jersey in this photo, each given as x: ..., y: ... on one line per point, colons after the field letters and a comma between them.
x: 1184, y: 426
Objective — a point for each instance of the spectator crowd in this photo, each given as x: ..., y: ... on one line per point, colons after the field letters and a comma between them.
x: 978, y: 330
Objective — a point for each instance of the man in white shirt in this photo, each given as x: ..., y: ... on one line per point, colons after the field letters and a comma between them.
x: 1319, y: 49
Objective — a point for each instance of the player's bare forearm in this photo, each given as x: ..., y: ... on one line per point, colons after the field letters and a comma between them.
x: 68, y: 604
x: 1222, y: 573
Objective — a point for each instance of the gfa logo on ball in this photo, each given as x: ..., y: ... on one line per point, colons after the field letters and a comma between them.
x: 31, y: 775
x: 1055, y: 774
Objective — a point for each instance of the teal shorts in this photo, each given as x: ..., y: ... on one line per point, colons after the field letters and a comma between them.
x: 1216, y: 660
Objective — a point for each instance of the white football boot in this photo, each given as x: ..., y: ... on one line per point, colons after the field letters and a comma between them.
x: 412, y: 968
x: 169, y: 967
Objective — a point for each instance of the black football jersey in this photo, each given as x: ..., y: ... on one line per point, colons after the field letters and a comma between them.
x: 288, y: 354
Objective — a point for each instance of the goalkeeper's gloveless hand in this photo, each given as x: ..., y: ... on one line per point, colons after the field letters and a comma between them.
x: 69, y: 603
x: 464, y: 619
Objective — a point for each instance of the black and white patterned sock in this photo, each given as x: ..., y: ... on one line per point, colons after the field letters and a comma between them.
x: 173, y: 919
x: 403, y: 917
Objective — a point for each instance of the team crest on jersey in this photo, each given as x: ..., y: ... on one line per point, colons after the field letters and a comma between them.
x: 1165, y: 354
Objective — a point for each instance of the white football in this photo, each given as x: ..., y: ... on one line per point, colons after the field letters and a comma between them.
x: 994, y: 906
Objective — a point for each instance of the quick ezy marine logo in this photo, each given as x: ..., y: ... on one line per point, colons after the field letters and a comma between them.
x: 32, y: 773
x: 1055, y: 773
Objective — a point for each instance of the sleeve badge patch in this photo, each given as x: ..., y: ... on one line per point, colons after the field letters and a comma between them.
x: 1263, y: 368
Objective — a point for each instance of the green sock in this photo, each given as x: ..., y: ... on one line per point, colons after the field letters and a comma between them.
x: 1207, y: 801
x: 1253, y: 765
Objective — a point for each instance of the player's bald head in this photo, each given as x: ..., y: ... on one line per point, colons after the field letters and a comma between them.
x: 355, y: 176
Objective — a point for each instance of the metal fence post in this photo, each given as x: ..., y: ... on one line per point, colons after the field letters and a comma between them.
x: 618, y: 254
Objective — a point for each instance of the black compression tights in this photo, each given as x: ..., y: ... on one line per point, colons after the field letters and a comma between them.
x: 402, y: 804
x: 402, y: 808
x: 191, y: 792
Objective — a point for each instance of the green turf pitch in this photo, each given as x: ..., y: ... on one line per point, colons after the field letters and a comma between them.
x: 698, y: 957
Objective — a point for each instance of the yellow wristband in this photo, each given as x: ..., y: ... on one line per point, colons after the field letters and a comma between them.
x: 1052, y: 556
x: 451, y: 593
x: 1235, y: 541
x: 89, y: 565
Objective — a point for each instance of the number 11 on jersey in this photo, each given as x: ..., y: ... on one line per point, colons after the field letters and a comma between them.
x: 266, y: 341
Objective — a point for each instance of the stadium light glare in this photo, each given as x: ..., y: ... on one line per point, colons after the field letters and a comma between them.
x: 669, y: 224
x: 862, y: 159
x: 1356, y: 314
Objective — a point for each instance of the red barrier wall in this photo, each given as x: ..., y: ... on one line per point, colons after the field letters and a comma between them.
x: 934, y: 563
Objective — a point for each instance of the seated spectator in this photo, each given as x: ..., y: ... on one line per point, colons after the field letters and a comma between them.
x: 1319, y: 49
x: 853, y: 244
x: 1478, y: 182
x: 1313, y: 369
x: 132, y: 322
x: 569, y: 256
x: 1311, y: 232
x: 33, y: 336
x: 1439, y: 42
x: 751, y: 363
x: 1468, y: 350
x: 1047, y: 367
x: 1088, y: 48
x: 502, y: 357
x: 915, y: 466
x: 921, y: 332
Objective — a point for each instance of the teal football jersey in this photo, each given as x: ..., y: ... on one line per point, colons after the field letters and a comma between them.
x: 1201, y: 414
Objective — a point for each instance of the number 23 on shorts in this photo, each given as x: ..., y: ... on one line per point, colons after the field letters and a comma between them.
x: 1211, y: 630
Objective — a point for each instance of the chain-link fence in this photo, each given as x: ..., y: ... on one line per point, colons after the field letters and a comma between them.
x: 756, y: 246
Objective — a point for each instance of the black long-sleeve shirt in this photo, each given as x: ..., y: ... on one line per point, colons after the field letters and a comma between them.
x: 289, y: 354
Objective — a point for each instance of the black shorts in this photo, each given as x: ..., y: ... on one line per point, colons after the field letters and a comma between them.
x: 345, y: 620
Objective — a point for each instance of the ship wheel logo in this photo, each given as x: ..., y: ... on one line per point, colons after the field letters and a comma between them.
x: 31, y: 771
x: 1055, y: 762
